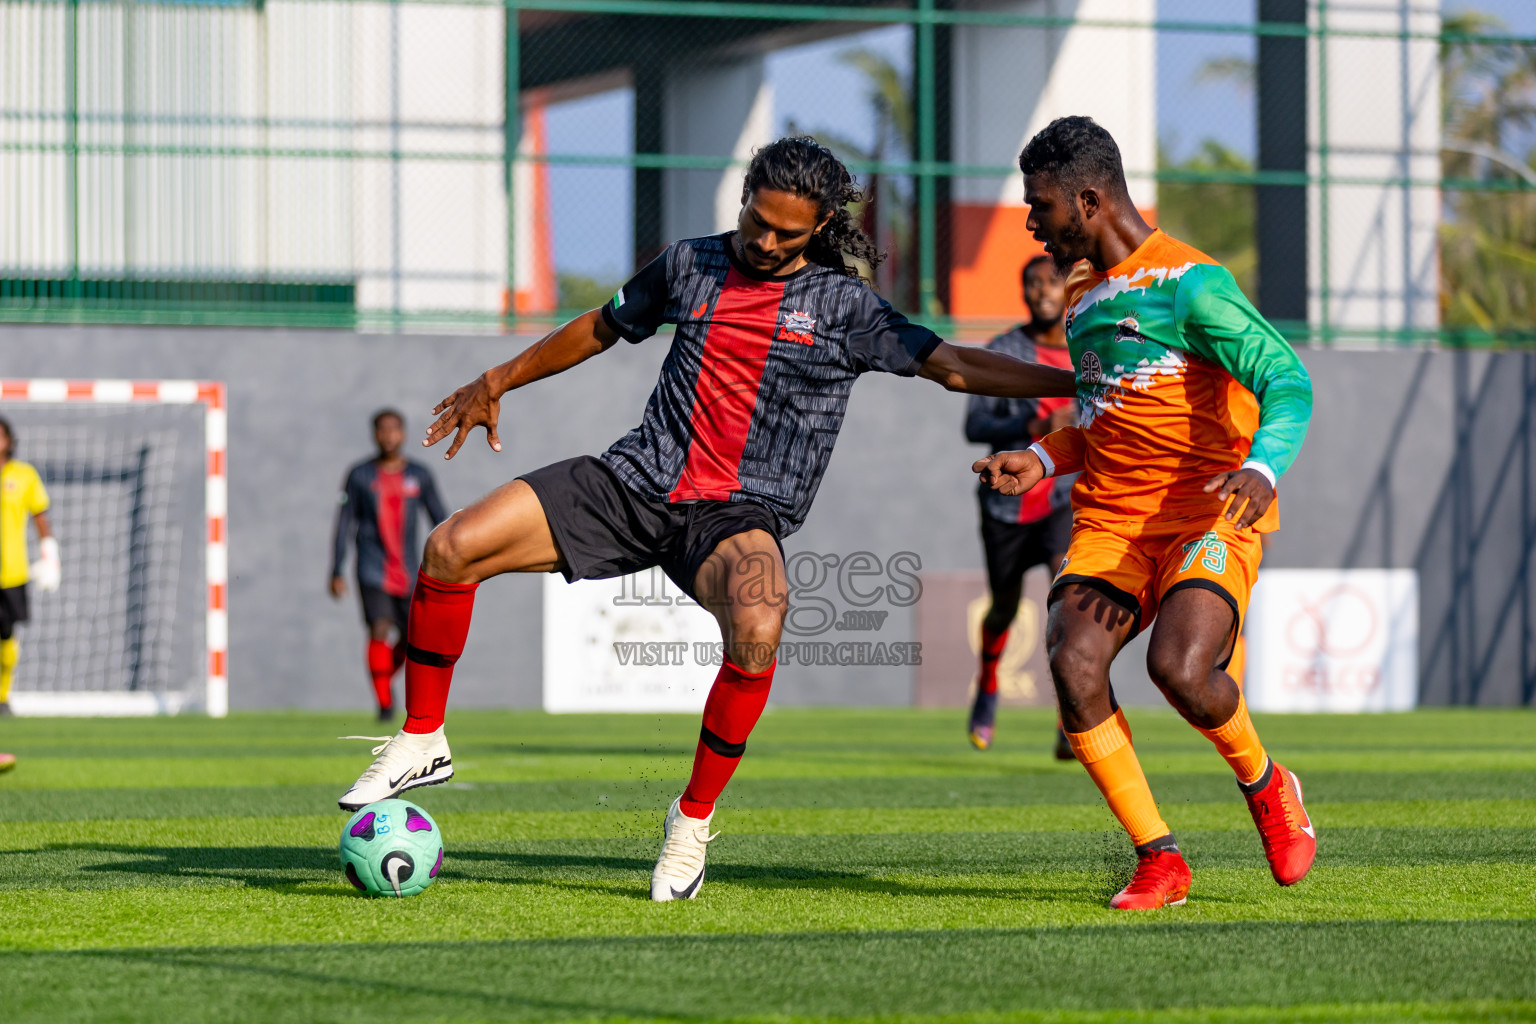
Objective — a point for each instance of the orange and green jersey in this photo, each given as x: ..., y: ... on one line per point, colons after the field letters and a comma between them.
x: 1179, y: 378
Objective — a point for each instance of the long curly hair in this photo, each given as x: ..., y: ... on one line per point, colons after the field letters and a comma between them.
x: 804, y: 167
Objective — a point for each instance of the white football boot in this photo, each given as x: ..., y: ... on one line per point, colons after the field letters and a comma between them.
x: 404, y: 762
x: 679, y: 873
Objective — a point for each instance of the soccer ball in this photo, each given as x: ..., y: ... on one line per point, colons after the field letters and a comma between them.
x: 391, y: 848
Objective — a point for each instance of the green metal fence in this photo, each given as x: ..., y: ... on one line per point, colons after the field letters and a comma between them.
x: 348, y: 163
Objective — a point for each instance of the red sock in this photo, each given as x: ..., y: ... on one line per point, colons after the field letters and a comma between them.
x: 439, y: 625
x: 735, y: 704
x: 398, y: 653
x: 992, y: 644
x: 381, y: 666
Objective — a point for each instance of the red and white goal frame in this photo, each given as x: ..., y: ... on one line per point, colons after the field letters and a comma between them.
x: 211, y: 395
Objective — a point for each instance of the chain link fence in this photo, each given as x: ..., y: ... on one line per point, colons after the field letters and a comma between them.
x: 1367, y: 169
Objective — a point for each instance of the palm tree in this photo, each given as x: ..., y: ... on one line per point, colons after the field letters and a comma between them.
x: 1215, y: 217
x: 887, y: 215
x: 1488, y: 238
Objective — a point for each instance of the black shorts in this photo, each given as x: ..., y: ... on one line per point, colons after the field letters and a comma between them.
x: 1012, y: 549
x: 381, y: 606
x: 604, y: 529
x: 14, y: 608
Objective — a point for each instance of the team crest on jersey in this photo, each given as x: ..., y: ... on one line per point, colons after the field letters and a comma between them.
x: 1129, y: 329
x: 1090, y: 370
x: 797, y: 326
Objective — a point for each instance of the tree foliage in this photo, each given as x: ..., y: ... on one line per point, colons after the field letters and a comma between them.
x: 889, y: 215
x: 1488, y: 238
x: 1214, y: 217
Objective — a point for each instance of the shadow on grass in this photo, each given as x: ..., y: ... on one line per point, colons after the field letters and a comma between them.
x: 315, y: 871
x: 545, y: 869
x: 288, y: 868
x: 493, y: 749
x: 390, y: 986
x: 1159, y: 963
x: 263, y: 867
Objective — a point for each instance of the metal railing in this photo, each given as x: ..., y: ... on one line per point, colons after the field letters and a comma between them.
x: 349, y: 163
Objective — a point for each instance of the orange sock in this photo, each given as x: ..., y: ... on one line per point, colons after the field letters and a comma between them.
x: 1105, y: 750
x: 1237, y: 741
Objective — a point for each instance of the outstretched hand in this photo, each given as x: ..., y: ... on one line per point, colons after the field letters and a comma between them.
x: 1247, y: 491
x: 475, y: 404
x: 1010, y: 472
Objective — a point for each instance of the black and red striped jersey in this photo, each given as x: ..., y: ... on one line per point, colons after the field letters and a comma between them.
x: 753, y: 392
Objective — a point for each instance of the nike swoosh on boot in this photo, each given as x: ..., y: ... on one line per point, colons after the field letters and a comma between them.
x: 683, y: 894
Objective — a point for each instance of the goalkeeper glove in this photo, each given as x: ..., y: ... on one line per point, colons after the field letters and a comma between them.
x: 46, y: 571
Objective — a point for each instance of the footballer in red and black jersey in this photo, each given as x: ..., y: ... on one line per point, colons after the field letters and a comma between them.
x: 753, y: 392
x: 772, y: 329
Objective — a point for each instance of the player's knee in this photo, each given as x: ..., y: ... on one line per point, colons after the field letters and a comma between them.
x: 755, y: 632
x: 1000, y: 616
x: 1073, y: 665
x: 444, y: 557
x: 1177, y: 670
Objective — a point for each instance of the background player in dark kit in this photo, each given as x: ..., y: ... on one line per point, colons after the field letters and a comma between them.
x: 382, y: 499
x: 1021, y: 531
x: 773, y: 327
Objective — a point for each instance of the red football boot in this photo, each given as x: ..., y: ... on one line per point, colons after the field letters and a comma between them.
x: 1290, y: 841
x: 1161, y: 880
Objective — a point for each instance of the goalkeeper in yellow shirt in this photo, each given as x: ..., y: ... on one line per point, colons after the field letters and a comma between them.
x: 22, y: 495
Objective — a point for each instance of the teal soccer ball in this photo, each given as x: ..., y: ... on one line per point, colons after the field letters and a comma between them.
x: 391, y: 848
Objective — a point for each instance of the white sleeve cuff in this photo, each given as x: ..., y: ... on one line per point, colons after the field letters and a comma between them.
x: 1263, y: 470
x: 1045, y: 459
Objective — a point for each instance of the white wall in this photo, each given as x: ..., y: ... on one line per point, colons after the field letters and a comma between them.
x: 1011, y: 82
x: 232, y: 82
x: 723, y: 109
x: 1383, y: 122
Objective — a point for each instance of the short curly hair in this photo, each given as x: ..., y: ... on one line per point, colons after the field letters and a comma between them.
x: 1077, y: 152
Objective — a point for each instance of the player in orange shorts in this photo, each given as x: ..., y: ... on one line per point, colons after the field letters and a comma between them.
x: 1192, y: 408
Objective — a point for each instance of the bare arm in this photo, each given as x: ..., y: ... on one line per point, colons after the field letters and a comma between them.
x: 478, y: 403
x: 341, y: 537
x: 43, y: 529
x: 978, y: 371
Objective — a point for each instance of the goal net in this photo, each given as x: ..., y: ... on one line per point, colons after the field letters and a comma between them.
x: 135, y: 476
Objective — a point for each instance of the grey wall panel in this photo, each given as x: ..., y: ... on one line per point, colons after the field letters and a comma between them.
x: 1415, y: 458
x: 1476, y: 610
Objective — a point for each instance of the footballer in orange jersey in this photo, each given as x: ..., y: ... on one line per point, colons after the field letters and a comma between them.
x: 1192, y: 408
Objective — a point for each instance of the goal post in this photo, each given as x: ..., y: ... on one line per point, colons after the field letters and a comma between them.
x: 137, y: 478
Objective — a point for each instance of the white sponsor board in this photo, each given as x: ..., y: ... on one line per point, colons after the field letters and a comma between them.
x: 1333, y: 640
x: 628, y: 644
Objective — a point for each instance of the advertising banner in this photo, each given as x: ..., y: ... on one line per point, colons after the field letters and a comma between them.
x: 629, y: 644
x: 1333, y: 640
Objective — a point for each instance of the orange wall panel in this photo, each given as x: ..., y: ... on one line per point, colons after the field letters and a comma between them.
x: 990, y: 247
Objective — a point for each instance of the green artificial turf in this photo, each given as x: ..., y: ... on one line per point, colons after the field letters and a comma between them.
x: 871, y: 866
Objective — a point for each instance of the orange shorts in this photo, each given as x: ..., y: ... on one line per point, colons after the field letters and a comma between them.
x: 1137, y: 564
